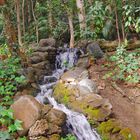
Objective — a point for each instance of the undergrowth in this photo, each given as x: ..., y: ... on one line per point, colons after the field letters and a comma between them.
x: 126, y: 65
x: 10, y: 79
x: 69, y: 137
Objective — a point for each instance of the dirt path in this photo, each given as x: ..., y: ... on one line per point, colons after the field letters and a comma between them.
x: 125, y: 109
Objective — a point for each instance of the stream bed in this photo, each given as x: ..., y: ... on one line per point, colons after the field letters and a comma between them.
x: 76, y: 122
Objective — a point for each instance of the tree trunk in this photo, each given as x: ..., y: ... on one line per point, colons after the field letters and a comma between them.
x: 50, y: 17
x: 9, y: 31
x: 122, y: 23
x: 36, y: 24
x: 81, y: 14
x: 117, y: 25
x: 18, y: 22
x: 23, y: 16
x: 70, y: 19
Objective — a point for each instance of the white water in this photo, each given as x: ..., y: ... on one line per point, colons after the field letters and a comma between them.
x: 76, y: 122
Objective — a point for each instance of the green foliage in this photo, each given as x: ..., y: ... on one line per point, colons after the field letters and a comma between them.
x: 9, y: 78
x: 23, y: 138
x: 69, y: 137
x: 7, y: 120
x: 4, y: 135
x: 98, y: 19
x: 126, y: 65
x: 4, y: 50
x: 132, y: 22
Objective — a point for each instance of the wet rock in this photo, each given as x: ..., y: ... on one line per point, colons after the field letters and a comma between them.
x: 28, y: 110
x: 47, y: 42
x: 56, y: 117
x: 41, y: 127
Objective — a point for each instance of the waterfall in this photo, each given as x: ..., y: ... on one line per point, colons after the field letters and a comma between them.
x: 76, y: 122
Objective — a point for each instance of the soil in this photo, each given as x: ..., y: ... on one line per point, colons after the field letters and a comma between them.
x: 125, y: 99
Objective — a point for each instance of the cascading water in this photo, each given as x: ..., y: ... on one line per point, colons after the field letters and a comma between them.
x: 76, y: 122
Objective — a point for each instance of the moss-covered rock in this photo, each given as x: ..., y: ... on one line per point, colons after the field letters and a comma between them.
x: 112, y: 130
x: 127, y: 134
x: 91, y: 105
x: 62, y: 94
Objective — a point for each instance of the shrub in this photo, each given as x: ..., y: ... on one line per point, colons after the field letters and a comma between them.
x: 69, y: 137
x: 126, y: 65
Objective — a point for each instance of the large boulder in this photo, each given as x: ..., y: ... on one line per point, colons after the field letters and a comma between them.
x: 47, y: 42
x: 28, y: 110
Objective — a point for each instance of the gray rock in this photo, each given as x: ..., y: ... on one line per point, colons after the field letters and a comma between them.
x: 94, y: 50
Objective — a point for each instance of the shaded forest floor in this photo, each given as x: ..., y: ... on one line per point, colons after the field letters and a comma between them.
x: 125, y: 99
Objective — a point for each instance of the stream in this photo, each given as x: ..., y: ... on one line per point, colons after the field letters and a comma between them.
x: 76, y: 122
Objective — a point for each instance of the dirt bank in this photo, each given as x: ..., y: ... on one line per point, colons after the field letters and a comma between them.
x: 126, y: 108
